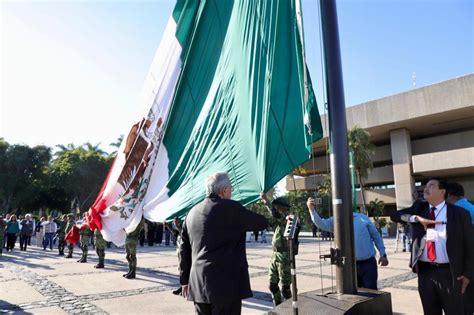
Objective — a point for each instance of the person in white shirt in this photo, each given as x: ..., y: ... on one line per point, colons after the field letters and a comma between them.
x: 442, y: 249
x: 49, y: 230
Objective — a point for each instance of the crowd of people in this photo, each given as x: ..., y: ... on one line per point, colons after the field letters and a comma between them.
x: 214, y: 270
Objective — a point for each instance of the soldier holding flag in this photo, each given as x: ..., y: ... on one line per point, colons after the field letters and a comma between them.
x: 279, y: 271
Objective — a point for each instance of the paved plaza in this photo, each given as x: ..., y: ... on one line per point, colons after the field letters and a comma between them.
x: 40, y: 282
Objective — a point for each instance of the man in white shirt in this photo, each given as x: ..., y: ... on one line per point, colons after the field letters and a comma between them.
x: 49, y: 229
x: 442, y: 251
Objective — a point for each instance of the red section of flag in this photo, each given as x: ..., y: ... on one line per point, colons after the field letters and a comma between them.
x: 73, y: 235
x: 93, y: 216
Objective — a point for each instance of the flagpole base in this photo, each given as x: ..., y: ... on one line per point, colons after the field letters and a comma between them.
x: 366, y: 302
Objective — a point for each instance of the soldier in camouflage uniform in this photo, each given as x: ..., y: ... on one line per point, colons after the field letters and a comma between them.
x: 279, y: 271
x: 61, y: 234
x: 131, y: 242
x: 3, y: 226
x: 99, y: 243
x: 69, y: 226
x: 86, y: 234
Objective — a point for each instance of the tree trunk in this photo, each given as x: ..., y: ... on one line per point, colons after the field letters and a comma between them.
x: 364, y: 210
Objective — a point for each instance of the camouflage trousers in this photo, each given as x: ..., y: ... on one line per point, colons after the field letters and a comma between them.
x: 85, y: 247
x: 70, y: 247
x: 280, y: 272
x: 101, y: 254
x: 61, y: 243
x: 280, y: 268
x: 131, y: 249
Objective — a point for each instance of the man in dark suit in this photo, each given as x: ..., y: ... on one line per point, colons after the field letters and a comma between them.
x: 213, y: 262
x: 442, y: 251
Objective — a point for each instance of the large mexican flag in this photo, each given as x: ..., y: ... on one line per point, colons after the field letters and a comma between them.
x: 228, y: 90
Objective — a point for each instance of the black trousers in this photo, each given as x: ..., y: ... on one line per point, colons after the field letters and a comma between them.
x: 437, y: 290
x: 11, y: 239
x: 469, y: 298
x: 224, y: 308
x: 23, y: 241
x: 367, y: 273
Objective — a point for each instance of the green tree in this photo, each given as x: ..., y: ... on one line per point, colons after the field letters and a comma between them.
x: 376, y: 208
x: 324, y: 191
x: 362, y: 149
x: 297, y: 199
x: 21, y: 172
x: 80, y: 171
x: 63, y: 149
x: 116, y: 145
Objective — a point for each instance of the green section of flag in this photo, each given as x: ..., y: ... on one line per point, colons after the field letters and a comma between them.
x: 239, y: 103
x: 184, y: 15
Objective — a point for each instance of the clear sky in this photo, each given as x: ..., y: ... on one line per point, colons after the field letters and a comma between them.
x: 72, y: 71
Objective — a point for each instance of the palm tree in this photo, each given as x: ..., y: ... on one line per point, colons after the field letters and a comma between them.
x: 94, y: 148
x: 362, y: 150
x: 63, y: 149
x: 377, y: 208
x: 324, y: 189
x: 116, y: 144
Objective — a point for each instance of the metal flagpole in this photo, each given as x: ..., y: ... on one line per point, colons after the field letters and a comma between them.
x: 341, y: 193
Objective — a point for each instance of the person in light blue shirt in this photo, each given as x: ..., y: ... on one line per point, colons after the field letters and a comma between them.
x: 365, y: 236
x: 456, y: 197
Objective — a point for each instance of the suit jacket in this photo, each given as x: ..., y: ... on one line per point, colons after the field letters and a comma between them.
x: 213, y: 260
x: 460, y: 237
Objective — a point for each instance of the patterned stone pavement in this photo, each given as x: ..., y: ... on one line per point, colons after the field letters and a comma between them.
x: 37, y: 281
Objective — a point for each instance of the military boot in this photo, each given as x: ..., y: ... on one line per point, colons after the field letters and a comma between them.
x: 131, y: 275
x: 100, y: 265
x: 69, y: 255
x: 129, y: 271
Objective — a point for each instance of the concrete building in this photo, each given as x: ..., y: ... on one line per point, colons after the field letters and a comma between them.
x: 418, y: 134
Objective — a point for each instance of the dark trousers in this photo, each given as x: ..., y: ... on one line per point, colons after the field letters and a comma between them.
x: 48, y: 240
x: 24, y: 241
x: 225, y: 308
x: 11, y: 239
x: 167, y: 238
x: 142, y: 238
x: 159, y: 233
x: 437, y: 293
x: 150, y: 236
x: 469, y: 298
x: 367, y: 273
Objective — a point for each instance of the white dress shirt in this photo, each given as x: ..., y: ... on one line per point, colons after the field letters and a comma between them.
x: 441, y: 236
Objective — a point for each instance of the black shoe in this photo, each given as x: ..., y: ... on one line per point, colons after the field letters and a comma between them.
x: 99, y: 266
x: 178, y: 291
x: 131, y: 275
x: 69, y: 255
x: 83, y: 260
